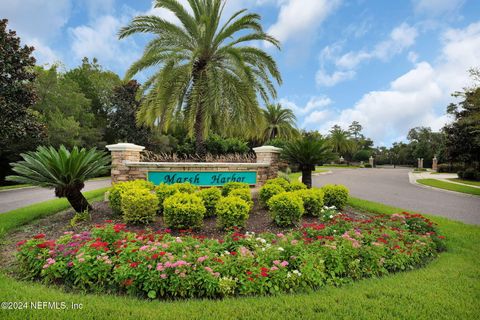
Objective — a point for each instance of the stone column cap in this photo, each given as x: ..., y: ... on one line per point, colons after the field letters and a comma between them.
x: 267, y: 149
x: 124, y: 147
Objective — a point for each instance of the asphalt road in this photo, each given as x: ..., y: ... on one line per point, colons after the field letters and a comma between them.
x: 17, y: 198
x: 392, y: 187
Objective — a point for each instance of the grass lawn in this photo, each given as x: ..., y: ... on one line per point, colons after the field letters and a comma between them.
x: 470, y: 182
x: 18, y: 217
x: 295, y: 175
x: 449, y: 186
x: 448, y: 288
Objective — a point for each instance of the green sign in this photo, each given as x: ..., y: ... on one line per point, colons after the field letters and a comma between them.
x: 202, y: 178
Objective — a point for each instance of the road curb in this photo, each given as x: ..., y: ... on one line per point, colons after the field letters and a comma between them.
x: 413, y: 181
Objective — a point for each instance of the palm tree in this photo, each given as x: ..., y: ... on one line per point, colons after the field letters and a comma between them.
x: 206, y: 70
x: 340, y: 142
x: 62, y: 170
x: 307, y: 152
x: 280, y: 122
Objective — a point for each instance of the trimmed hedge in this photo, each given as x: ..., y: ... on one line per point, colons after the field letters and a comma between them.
x: 229, y: 186
x: 210, y: 197
x: 244, y: 194
x: 312, y: 201
x: 335, y: 195
x: 183, y: 211
x: 232, y: 211
x: 286, y: 209
x: 268, y: 191
x: 139, y: 205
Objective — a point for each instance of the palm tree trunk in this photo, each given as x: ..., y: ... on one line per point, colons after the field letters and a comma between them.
x: 78, y: 201
x: 307, y: 178
x: 200, y: 148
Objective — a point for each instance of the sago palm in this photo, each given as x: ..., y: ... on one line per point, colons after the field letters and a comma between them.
x: 307, y: 152
x: 205, y: 69
x: 279, y: 122
x: 62, y: 170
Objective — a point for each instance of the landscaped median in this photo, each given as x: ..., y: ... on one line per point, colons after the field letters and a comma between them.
x: 451, y: 282
x: 435, y: 183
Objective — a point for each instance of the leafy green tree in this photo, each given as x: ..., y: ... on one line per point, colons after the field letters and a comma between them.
x: 463, y: 134
x: 21, y: 128
x: 355, y: 129
x: 426, y: 144
x: 279, y: 122
x: 62, y: 170
x: 207, y: 70
x: 306, y: 153
x: 97, y: 85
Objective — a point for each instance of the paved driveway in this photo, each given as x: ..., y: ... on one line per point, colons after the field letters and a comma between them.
x: 17, y: 198
x: 391, y: 186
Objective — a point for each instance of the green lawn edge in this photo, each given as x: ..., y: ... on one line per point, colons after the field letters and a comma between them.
x: 449, y: 186
x: 472, y: 183
x: 447, y: 288
x: 19, y: 186
x: 21, y: 216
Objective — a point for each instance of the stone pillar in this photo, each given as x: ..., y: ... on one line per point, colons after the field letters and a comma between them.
x: 435, y: 163
x: 420, y: 163
x: 271, y: 156
x: 371, y: 161
x: 122, y: 152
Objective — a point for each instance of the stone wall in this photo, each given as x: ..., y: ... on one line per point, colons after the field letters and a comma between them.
x: 126, y: 164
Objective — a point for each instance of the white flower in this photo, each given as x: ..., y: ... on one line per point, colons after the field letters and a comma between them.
x: 281, y: 249
x: 289, y: 274
x: 297, y: 273
x: 331, y: 216
x: 227, y: 253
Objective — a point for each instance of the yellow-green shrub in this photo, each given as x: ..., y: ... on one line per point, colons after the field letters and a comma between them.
x: 268, y: 191
x: 282, y: 182
x: 210, y: 197
x: 229, y: 186
x: 139, y: 204
x: 183, y: 211
x: 312, y: 201
x: 114, y: 196
x: 286, y: 208
x: 232, y: 212
x: 185, y: 187
x: 296, y: 185
x: 244, y: 194
x: 335, y: 195
x: 163, y: 191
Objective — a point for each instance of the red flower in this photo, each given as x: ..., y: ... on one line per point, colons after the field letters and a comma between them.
x: 155, y: 256
x: 39, y: 236
x: 441, y: 237
x: 250, y: 279
x: 21, y: 243
x: 163, y: 253
x: 233, y: 253
x: 249, y: 272
x: 99, y: 244
x: 108, y: 221
x: 264, y: 272
x: 128, y: 282
x: 134, y: 264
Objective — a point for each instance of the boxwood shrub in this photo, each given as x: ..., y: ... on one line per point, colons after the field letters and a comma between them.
x: 335, y: 195
x: 183, y: 211
x: 244, y: 194
x: 232, y: 211
x: 296, y: 185
x: 185, y: 187
x: 282, y: 182
x: 229, y: 186
x: 286, y: 208
x: 312, y: 201
x: 139, y: 205
x: 268, y: 191
x: 114, y: 196
x: 210, y: 197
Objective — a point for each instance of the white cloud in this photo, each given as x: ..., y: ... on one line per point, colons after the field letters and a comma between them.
x: 297, y: 17
x: 400, y: 38
x: 316, y: 117
x: 329, y: 80
x: 99, y: 39
x: 43, y: 53
x: 437, y: 7
x: 316, y: 102
x: 36, y: 19
x: 420, y: 96
x: 412, y: 56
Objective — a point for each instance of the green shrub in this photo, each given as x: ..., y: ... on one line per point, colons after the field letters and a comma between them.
x: 279, y: 181
x: 312, y: 201
x: 163, y: 191
x: 138, y: 204
x: 244, y: 194
x: 183, y: 211
x: 296, y: 185
x: 450, y: 168
x: 210, y: 197
x: 232, y: 212
x: 268, y: 191
x: 335, y: 195
x: 229, y: 186
x: 469, y: 174
x: 286, y: 208
x: 185, y: 187
x: 367, y: 165
x: 114, y: 197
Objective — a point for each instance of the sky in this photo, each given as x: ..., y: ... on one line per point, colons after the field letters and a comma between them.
x: 390, y: 65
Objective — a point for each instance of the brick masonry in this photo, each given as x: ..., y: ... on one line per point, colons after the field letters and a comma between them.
x: 126, y: 164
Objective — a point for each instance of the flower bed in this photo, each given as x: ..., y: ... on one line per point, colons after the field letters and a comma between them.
x: 157, y: 264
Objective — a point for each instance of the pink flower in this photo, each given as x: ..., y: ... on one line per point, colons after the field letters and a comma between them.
x: 216, y: 274
x: 280, y: 235
x: 276, y: 262
x: 273, y: 268
x: 163, y: 276
x: 294, y: 242
x: 208, y: 269
x: 81, y: 260
x: 284, y: 263
x: 143, y: 248
x: 160, y: 267
x: 201, y: 259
